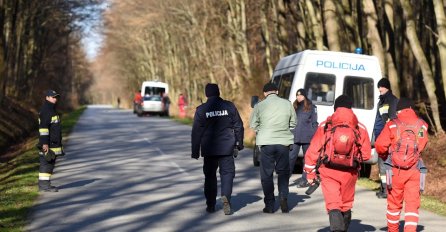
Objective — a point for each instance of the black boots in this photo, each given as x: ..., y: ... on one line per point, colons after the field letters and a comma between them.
x: 45, y: 186
x: 347, y: 219
x: 336, y: 220
x: 382, y: 194
x: 210, y: 208
x: 339, y: 221
x: 284, y: 205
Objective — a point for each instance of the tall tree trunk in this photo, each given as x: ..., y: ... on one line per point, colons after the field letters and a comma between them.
x: 331, y: 25
x: 422, y: 61
x: 378, y: 50
x: 266, y: 37
x: 315, y: 25
x: 441, y: 43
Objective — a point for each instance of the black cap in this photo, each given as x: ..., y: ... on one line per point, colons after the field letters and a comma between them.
x: 384, y: 82
x: 212, y: 90
x: 268, y: 87
x: 343, y: 101
x: 301, y: 92
x: 404, y: 103
x: 52, y: 93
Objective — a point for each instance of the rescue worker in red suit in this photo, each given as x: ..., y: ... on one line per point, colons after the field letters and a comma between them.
x: 182, y: 105
x: 136, y: 101
x: 338, y: 185
x: 405, y: 183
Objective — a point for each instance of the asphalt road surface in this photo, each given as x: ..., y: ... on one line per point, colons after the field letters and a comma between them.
x: 124, y: 173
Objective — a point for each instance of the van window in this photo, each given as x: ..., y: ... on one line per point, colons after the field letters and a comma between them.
x: 150, y: 90
x: 361, y: 90
x: 320, y: 88
x: 284, y: 83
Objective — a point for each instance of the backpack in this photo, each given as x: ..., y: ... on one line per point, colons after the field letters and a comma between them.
x: 405, y: 151
x: 342, y: 147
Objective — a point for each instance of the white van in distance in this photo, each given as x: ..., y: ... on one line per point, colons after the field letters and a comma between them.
x: 152, y: 93
x: 325, y: 75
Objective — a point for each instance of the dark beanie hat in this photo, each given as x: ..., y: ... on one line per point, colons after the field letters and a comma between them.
x: 384, y: 82
x: 212, y: 90
x: 301, y: 92
x: 343, y: 101
x: 270, y: 87
x: 404, y: 103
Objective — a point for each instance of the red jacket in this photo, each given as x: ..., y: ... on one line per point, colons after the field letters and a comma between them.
x: 388, y: 135
x: 137, y: 98
x: 317, y: 143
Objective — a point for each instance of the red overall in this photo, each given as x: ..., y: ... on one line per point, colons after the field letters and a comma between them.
x: 405, y: 183
x: 182, y: 106
x: 338, y: 186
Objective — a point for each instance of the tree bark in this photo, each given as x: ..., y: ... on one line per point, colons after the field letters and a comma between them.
x: 331, y: 25
x: 441, y: 42
x: 315, y: 25
x: 422, y: 61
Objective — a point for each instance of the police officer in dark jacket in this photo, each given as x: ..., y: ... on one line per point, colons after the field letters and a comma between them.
x: 218, y: 131
x: 386, y: 111
x: 50, y: 141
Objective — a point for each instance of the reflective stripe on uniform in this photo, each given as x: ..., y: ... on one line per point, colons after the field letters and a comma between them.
x: 55, y: 119
x: 384, y: 109
x: 44, y: 131
x: 410, y: 224
x: 393, y: 221
x: 393, y: 213
x: 56, y: 150
x: 384, y: 180
x: 392, y: 126
x: 310, y: 166
x: 44, y: 176
x: 411, y: 214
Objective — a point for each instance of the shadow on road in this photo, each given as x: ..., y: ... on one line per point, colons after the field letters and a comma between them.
x: 355, y: 225
x: 78, y: 183
x: 241, y: 200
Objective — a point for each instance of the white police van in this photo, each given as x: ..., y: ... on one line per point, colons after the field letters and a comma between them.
x: 152, y: 93
x: 325, y: 75
x: 154, y: 88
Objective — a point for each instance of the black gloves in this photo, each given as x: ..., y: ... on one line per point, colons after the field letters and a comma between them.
x: 235, y: 153
x: 195, y: 156
x: 49, y: 156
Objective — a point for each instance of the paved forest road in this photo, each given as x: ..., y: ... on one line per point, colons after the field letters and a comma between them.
x: 124, y: 173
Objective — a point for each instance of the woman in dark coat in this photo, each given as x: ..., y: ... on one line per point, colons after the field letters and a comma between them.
x: 306, y: 126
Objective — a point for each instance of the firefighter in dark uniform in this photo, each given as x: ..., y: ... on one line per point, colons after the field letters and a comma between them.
x: 50, y: 141
x: 218, y: 132
x: 386, y: 111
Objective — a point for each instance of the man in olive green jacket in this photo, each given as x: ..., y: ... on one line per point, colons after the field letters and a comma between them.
x: 272, y: 119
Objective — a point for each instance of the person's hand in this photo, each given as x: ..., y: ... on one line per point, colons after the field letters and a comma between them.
x: 195, y: 156
x: 45, y: 148
x: 240, y: 147
x: 311, y: 176
x: 235, y: 153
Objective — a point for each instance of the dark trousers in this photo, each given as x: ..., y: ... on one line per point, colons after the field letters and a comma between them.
x: 274, y: 157
x: 45, y: 171
x: 226, y: 167
x: 293, y: 157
